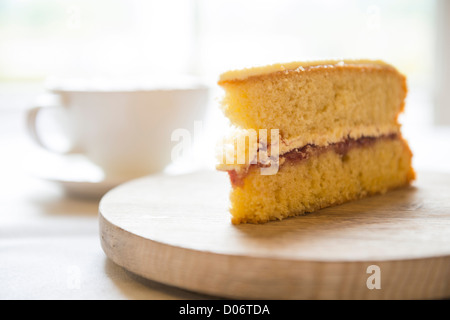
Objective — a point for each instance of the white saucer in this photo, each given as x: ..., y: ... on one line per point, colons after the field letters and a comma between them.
x: 86, y: 189
x: 77, y: 175
x: 80, y: 177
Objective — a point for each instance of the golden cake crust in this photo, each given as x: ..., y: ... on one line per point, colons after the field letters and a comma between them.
x: 297, y: 67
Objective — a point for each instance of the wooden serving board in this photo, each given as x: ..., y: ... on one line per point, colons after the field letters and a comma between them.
x: 177, y: 230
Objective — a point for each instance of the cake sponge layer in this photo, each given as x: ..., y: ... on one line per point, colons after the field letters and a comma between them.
x: 318, y: 104
x: 327, y: 179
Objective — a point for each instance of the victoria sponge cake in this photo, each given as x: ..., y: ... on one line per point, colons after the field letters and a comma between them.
x: 327, y: 130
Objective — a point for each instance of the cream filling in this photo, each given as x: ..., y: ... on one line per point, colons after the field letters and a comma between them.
x: 227, y: 150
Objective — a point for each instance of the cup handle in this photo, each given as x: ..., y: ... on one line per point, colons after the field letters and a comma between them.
x: 31, y: 119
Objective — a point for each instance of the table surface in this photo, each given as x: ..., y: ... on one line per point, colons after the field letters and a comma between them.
x: 49, y: 242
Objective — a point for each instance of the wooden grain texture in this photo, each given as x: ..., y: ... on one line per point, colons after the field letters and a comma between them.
x: 177, y: 230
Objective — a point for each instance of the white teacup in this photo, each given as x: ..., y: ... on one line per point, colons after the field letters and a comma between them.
x: 126, y: 130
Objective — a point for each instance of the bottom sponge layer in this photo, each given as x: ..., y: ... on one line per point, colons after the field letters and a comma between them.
x: 325, y: 179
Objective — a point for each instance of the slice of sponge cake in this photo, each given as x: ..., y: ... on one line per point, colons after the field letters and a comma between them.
x: 339, y: 136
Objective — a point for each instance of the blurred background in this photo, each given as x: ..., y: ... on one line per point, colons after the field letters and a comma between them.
x: 43, y: 39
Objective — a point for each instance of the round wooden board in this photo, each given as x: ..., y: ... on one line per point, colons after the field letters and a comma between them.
x: 177, y: 230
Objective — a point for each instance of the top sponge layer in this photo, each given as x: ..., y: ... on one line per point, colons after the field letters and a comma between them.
x: 316, y: 102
